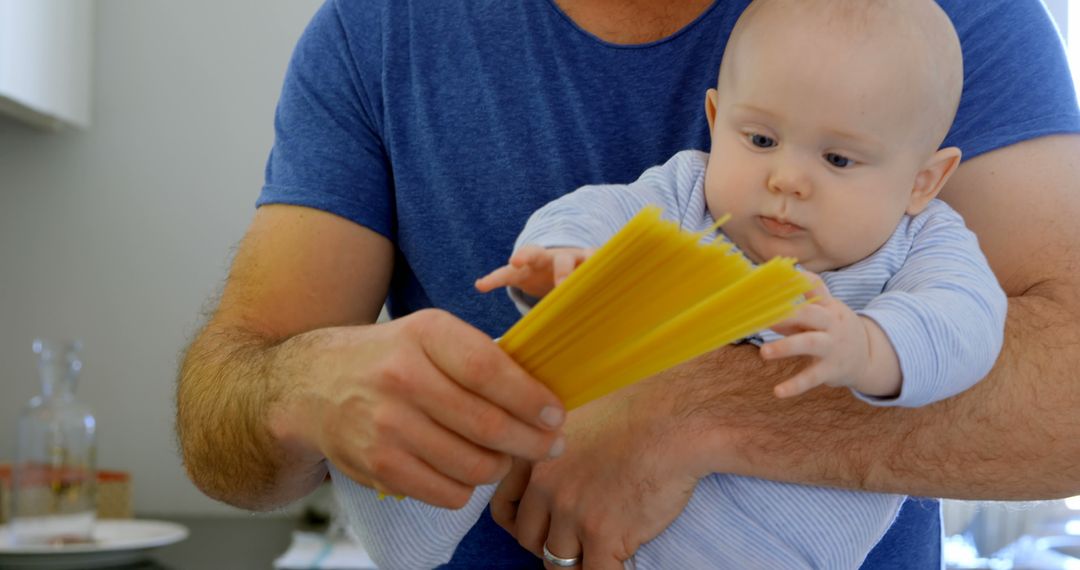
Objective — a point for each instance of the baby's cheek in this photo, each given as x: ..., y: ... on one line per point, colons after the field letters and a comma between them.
x: 855, y: 244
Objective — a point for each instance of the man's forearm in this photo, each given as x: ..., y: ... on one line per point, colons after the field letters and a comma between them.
x: 227, y: 387
x: 1012, y: 436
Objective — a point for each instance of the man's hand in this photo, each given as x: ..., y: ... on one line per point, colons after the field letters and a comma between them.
x: 424, y: 406
x: 535, y: 270
x: 617, y: 486
x: 847, y: 350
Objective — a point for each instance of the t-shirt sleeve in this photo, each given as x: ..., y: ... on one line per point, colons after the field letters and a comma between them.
x: 1017, y: 83
x: 328, y: 148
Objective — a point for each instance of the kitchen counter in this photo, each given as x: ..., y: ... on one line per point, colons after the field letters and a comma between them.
x: 225, y: 543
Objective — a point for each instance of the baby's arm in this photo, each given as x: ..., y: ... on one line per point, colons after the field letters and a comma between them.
x: 535, y: 270
x: 942, y: 312
x: 849, y: 350
x: 406, y: 534
x: 588, y: 217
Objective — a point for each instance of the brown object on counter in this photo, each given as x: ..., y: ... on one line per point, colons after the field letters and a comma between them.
x: 5, y: 493
x: 113, y: 494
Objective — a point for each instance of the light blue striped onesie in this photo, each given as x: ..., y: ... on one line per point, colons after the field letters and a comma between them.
x: 930, y: 289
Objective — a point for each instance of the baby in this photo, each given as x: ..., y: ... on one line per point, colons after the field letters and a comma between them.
x: 826, y: 124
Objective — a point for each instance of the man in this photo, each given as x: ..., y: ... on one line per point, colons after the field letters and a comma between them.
x: 431, y: 129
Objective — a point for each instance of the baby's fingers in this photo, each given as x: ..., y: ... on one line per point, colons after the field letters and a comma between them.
x: 565, y: 261
x: 504, y: 276
x: 820, y: 290
x: 811, y: 343
x: 809, y: 317
x: 533, y: 255
x: 500, y: 277
x: 799, y: 383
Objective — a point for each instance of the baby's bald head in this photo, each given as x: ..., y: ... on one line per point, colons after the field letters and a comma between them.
x: 912, y: 42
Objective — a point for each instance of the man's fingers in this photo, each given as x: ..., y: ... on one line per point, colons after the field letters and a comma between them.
x: 395, y: 472
x: 533, y: 520
x: 449, y: 453
x: 416, y: 479
x: 601, y: 555
x: 486, y: 424
x: 519, y: 413
x: 562, y: 539
x: 504, y: 503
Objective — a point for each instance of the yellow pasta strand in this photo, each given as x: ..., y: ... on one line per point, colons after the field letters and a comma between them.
x: 650, y: 298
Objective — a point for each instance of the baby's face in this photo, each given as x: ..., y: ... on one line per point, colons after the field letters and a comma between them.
x: 815, y: 147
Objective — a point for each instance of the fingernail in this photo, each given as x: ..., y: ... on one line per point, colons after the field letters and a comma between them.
x: 557, y: 448
x: 551, y: 416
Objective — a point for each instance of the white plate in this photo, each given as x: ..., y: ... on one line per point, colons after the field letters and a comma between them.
x: 116, y: 542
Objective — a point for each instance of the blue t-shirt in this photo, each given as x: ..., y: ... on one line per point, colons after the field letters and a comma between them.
x: 443, y: 124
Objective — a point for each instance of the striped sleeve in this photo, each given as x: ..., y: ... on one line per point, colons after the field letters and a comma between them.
x: 591, y: 215
x: 943, y: 311
x: 407, y: 534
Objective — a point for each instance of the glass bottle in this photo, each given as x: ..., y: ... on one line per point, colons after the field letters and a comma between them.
x: 54, y: 479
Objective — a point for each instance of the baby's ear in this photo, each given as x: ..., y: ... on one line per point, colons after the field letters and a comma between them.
x: 932, y: 177
x: 710, y: 107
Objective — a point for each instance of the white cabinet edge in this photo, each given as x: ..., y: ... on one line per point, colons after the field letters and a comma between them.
x: 46, y: 56
x: 34, y: 117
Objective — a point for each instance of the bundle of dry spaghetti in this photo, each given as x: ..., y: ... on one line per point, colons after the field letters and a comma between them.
x: 652, y: 297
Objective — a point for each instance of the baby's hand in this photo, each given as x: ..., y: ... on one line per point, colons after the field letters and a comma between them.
x: 535, y: 270
x: 832, y: 334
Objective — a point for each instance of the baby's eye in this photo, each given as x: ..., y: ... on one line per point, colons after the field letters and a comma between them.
x: 838, y: 160
x: 761, y: 141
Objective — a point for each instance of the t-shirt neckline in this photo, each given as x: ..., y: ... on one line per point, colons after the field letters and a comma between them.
x: 604, y: 43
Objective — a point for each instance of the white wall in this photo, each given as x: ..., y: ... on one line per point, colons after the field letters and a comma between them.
x: 118, y: 234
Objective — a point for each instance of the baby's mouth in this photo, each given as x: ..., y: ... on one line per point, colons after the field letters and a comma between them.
x: 779, y: 227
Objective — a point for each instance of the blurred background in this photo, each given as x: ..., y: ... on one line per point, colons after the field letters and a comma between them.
x: 119, y: 232
x: 123, y: 194
x: 124, y: 188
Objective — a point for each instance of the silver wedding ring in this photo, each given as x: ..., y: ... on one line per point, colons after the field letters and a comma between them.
x: 560, y: 562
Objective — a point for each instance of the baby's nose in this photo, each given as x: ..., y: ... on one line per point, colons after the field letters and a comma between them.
x: 788, y: 180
